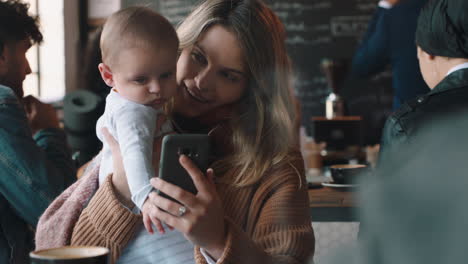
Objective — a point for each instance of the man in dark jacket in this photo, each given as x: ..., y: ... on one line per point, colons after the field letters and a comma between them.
x: 35, y: 163
x: 443, y: 56
x: 390, y: 41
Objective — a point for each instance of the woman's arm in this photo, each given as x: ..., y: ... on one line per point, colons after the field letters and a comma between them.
x: 278, y: 227
x: 278, y: 222
x: 106, y: 222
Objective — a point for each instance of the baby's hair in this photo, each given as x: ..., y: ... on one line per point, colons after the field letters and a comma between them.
x: 135, y: 27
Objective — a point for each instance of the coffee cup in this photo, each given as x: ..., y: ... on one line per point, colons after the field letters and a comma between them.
x: 347, y: 173
x: 71, y: 255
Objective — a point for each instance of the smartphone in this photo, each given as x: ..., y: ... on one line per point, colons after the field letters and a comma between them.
x: 196, y: 147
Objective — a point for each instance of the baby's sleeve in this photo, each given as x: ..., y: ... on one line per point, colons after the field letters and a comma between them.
x: 135, y: 128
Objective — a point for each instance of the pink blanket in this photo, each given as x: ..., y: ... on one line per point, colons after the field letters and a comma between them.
x: 56, y: 225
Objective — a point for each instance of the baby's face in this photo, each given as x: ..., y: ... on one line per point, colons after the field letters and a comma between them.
x: 146, y: 75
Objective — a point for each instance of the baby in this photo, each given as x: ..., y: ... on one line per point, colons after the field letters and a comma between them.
x: 139, y: 56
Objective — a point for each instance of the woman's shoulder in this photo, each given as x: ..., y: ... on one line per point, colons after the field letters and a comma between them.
x: 287, y: 171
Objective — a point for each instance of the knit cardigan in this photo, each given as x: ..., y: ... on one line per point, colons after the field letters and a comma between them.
x: 268, y: 222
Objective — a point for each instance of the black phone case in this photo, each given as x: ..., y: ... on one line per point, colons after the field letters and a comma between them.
x: 197, y: 147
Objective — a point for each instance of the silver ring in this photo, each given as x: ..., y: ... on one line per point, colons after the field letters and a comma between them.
x: 182, y: 211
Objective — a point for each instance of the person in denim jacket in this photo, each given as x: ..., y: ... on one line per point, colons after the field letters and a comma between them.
x: 35, y: 162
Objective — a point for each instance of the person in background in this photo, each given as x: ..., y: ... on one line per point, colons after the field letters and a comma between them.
x: 390, y: 41
x: 35, y: 162
x: 234, y: 78
x: 443, y: 56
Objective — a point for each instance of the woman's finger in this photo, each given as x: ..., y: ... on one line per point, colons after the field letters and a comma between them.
x: 147, y: 224
x: 199, y: 179
x: 164, y: 204
x: 155, y: 220
x: 170, y: 220
x: 179, y: 194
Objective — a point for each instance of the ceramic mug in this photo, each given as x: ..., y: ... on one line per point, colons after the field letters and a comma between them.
x: 347, y: 173
x: 71, y: 255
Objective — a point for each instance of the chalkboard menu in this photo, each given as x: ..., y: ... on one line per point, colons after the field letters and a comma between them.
x: 174, y: 10
x: 318, y: 29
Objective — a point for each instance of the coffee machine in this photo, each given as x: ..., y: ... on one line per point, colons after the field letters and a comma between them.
x: 335, y: 72
x: 342, y: 134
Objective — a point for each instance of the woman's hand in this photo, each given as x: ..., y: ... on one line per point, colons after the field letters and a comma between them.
x: 203, y: 220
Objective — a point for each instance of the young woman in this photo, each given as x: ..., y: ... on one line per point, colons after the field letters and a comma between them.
x: 234, y: 77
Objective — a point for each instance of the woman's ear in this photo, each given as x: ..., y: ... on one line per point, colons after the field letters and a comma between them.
x: 106, y: 74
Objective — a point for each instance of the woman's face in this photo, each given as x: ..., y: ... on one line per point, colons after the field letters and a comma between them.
x: 211, y: 74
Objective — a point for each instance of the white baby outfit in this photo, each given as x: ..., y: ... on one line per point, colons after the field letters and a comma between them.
x: 133, y: 125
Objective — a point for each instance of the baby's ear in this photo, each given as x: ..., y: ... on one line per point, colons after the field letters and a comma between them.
x: 106, y: 74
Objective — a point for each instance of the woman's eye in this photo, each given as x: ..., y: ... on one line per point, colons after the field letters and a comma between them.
x: 230, y: 77
x: 198, y: 57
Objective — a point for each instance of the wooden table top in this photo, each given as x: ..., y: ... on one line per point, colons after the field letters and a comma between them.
x: 331, y: 197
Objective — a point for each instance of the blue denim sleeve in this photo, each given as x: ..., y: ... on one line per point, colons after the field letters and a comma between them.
x: 33, y: 170
x: 373, y: 54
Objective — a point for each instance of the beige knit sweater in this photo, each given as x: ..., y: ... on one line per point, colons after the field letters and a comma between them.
x: 266, y: 223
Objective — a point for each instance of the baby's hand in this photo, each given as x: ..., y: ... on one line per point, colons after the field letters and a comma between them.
x: 149, y: 211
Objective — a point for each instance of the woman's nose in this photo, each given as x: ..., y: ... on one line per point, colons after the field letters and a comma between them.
x: 202, y: 80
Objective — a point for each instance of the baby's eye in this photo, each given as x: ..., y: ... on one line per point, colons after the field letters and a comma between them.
x: 140, y: 80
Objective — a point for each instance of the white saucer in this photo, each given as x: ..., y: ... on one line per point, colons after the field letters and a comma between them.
x: 336, y: 185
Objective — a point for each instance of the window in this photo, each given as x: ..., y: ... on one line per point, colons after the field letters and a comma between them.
x: 47, y: 60
x: 31, y: 83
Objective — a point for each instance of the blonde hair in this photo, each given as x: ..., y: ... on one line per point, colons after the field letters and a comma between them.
x: 263, y: 133
x: 135, y: 27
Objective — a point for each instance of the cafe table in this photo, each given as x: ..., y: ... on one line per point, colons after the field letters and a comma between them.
x: 332, y: 204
